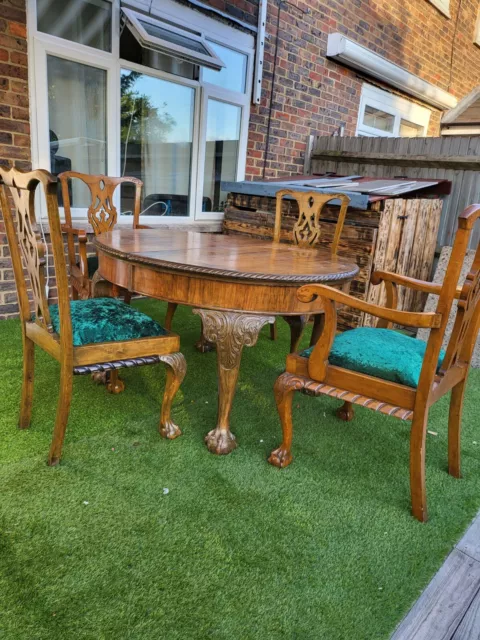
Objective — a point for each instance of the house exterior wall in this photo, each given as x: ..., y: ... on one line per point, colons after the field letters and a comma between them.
x: 303, y: 92
x: 14, y: 124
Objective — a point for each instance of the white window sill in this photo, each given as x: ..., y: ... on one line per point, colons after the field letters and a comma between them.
x: 443, y: 6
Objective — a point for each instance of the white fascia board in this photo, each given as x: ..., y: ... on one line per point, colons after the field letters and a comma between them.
x: 347, y: 52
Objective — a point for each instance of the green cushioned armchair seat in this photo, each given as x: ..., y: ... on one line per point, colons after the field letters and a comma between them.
x: 106, y: 320
x: 382, y: 353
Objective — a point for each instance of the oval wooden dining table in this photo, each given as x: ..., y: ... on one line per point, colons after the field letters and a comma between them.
x: 235, y: 284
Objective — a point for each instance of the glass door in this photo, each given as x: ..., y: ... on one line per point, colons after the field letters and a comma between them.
x: 157, y: 125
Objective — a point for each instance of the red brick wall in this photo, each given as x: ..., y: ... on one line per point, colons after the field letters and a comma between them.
x: 14, y: 123
x: 313, y: 95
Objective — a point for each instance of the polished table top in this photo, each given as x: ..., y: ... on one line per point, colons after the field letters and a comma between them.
x: 224, y: 256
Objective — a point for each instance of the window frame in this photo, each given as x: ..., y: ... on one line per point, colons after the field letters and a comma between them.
x: 400, y: 108
x: 156, y: 43
x: 40, y: 45
x: 443, y: 6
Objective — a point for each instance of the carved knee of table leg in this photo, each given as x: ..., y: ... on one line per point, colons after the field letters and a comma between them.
x: 176, y: 370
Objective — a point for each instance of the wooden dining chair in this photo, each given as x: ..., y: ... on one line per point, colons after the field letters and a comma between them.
x: 84, y: 336
x: 307, y: 232
x: 390, y: 372
x: 102, y: 216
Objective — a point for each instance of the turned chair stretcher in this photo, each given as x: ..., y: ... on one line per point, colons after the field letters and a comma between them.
x: 118, y: 337
x: 439, y: 372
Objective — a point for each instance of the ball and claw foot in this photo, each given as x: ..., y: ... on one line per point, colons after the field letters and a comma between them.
x: 346, y: 412
x: 100, y: 378
x: 117, y: 386
x: 169, y: 430
x: 280, y: 458
x: 220, y: 442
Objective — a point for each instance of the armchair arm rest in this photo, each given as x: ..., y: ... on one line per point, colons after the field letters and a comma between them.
x: 309, y: 292
x: 412, y: 283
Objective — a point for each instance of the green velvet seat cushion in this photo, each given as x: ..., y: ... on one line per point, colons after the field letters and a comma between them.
x: 382, y: 353
x: 106, y: 320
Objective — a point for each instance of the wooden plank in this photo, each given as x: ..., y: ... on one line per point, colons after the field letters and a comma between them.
x: 376, y: 158
x: 441, y: 607
x: 376, y: 293
x: 469, y: 628
x: 406, y: 246
x: 433, y: 210
x: 470, y: 543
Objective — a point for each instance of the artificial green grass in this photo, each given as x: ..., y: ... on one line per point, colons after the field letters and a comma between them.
x: 237, y: 549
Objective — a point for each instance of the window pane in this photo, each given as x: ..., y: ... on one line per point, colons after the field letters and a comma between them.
x: 131, y: 50
x: 77, y: 121
x: 378, y: 119
x: 233, y: 75
x: 156, y: 142
x: 221, y: 155
x: 157, y: 31
x: 410, y: 129
x: 85, y: 21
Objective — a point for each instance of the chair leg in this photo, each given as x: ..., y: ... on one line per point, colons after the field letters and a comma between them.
x: 318, y: 325
x: 113, y: 382
x: 454, y: 428
x: 284, y: 389
x: 27, y: 384
x: 273, y: 331
x: 176, y: 370
x: 417, y: 464
x: 297, y: 325
x: 172, y: 307
x: 346, y: 412
x: 63, y: 409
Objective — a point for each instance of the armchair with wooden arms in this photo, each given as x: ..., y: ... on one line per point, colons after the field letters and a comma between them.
x: 390, y: 372
x: 307, y: 232
x: 84, y: 336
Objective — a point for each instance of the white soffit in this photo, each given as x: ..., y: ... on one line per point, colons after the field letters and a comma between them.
x: 350, y: 53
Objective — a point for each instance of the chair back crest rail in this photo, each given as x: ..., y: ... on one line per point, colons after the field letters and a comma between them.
x: 102, y: 213
x: 307, y: 229
x: 25, y: 243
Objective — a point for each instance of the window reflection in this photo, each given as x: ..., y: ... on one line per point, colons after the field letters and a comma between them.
x: 156, y: 142
x: 221, y: 154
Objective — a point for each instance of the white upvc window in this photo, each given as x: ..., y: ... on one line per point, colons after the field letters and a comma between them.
x: 442, y: 5
x: 151, y: 90
x: 383, y: 114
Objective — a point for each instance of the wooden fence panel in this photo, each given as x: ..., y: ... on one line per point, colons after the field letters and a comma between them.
x: 454, y: 158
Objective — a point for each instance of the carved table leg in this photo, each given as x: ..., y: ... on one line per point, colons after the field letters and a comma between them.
x: 230, y: 331
x: 297, y: 325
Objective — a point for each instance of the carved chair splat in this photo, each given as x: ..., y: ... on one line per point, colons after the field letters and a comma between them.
x: 307, y: 233
x: 438, y: 372
x: 57, y: 328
